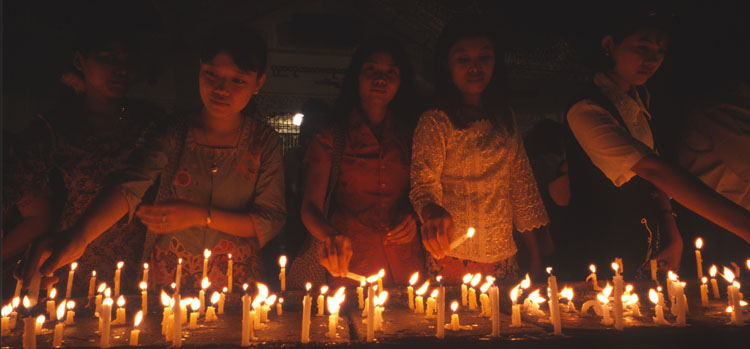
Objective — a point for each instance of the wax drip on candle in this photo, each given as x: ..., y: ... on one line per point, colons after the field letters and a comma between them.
x: 567, y: 293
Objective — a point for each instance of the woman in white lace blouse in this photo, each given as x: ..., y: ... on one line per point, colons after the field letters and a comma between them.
x: 469, y: 167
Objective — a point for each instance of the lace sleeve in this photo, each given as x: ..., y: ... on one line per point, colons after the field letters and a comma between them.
x: 526, y: 203
x: 427, y: 159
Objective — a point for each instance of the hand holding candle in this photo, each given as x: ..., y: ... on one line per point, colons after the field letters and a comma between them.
x: 461, y: 239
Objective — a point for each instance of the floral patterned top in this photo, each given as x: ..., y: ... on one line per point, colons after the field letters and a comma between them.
x: 248, y: 177
x: 482, y: 177
x: 65, y: 156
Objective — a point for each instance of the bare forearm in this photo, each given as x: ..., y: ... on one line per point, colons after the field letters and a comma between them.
x: 529, y: 237
x: 104, y: 212
x: 695, y: 195
x: 18, y: 238
x: 315, y: 223
x: 233, y: 223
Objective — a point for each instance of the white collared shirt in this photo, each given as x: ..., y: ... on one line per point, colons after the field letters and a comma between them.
x: 612, y: 148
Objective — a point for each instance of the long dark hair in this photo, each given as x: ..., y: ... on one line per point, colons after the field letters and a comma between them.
x: 403, y: 105
x: 447, y: 96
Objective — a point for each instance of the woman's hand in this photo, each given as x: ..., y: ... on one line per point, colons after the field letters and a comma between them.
x: 437, y: 230
x: 669, y: 258
x: 335, y: 254
x: 403, y: 233
x: 171, y: 216
x: 51, y: 252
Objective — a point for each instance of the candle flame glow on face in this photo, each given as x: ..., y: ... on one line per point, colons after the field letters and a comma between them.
x: 282, y: 261
x: 262, y: 295
x: 467, y: 278
x: 308, y: 286
x: 476, y: 279
x: 71, y: 305
x: 73, y: 266
x: 470, y: 232
x: 536, y: 297
x: 53, y: 293
x: 485, y: 287
x: 728, y: 275
x: 121, y: 301
x: 592, y: 268
x: 526, y: 283
x: 413, y: 279
x: 271, y: 300
x: 7, y: 310
x: 567, y: 293
x: 102, y: 287
x: 164, y: 299
x: 120, y: 264
x: 138, y: 318
x: 323, y: 289
x: 206, y: 253
x: 26, y: 302
x: 434, y: 293
x: 107, y: 292
x: 15, y: 302
x: 215, y: 297
x: 712, y: 271
x: 195, y: 304
x: 422, y: 289
x: 143, y: 285
x: 61, y: 310
x: 454, y: 306
x: 107, y: 301
x: 698, y: 243
x: 41, y: 319
x: 205, y: 283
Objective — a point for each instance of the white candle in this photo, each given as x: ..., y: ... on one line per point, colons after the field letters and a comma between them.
x: 370, y: 310
x: 465, y: 290
x: 92, y: 285
x: 333, y: 309
x: 606, y: 320
x: 361, y: 295
x: 222, y: 300
x: 282, y: 274
x: 135, y: 332
x: 554, y: 310
x: 658, y: 309
x: 178, y: 276
x: 120, y: 315
x: 252, y: 319
x: 29, y: 332
x: 592, y: 277
x: 279, y: 309
x: 246, y: 325
x: 431, y: 304
x: 177, y: 314
x: 206, y: 254
x: 51, y: 304
x: 461, y: 239
x: 410, y: 289
x: 441, y: 311
x: 495, y: 306
x: 59, y: 327
x: 704, y: 291
x: 211, y: 310
x: 321, y: 301
x: 202, y: 295
x: 419, y: 301
x: 165, y: 301
x: 6, y: 310
x: 194, y: 305
x: 70, y: 316
x: 484, y: 300
x: 106, y: 316
x: 515, y: 317
x: 144, y: 296
x: 257, y: 306
x: 381, y: 273
x: 733, y: 293
x: 677, y: 288
x: 33, y: 294
x: 117, y: 278
x: 306, y: 305
x: 714, y: 284
x: 698, y: 259
x: 619, y: 287
x: 229, y: 274
x: 455, y: 324
x: 68, y: 290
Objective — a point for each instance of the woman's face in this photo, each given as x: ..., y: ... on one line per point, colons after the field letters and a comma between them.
x: 471, y: 62
x: 379, y: 79
x: 637, y: 57
x: 106, y: 71
x: 225, y: 88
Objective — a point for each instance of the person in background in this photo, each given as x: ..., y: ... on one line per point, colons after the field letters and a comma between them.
x: 620, y: 187
x: 221, y: 181
x: 469, y: 167
x: 370, y: 224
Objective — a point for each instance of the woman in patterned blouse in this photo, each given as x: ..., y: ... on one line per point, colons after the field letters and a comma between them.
x: 469, y: 167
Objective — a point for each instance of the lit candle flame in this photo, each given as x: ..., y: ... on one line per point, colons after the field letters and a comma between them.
x: 224, y: 290
x: 73, y: 266
x: 281, y: 300
x: 712, y: 271
x: 672, y: 276
x: 629, y: 288
x: 138, y: 318
x: 698, y: 243
x: 704, y: 280
x: 143, y: 285
x: 206, y: 253
x: 490, y: 279
x: 526, y: 283
x: 188, y: 302
x: 26, y: 302
x: 434, y: 293
x: 414, y: 278
x: 205, y: 283
x: 108, y: 301
x: 308, y: 286
x: 381, y: 273
x: 549, y: 270
x: 195, y: 304
x: 335, y: 301
x: 567, y: 293
x: 362, y: 282
x: 743, y: 303
x: 215, y: 297
x: 41, y: 319
x: 421, y: 290
x: 179, y: 260
x: 536, y: 297
x: 729, y: 309
x: 230, y: 256
x: 607, y: 290
x: 164, y: 298
x: 53, y: 293
x: 592, y: 268
x: 102, y: 287
x: 748, y: 264
x: 485, y: 287
x: 282, y: 261
x: 470, y: 232
x: 244, y: 286
x: 15, y: 302
x: 271, y: 300
x: 615, y: 266
x: 728, y: 275
x: 454, y: 306
x: 107, y: 292
x: 71, y: 305
x: 145, y: 266
x: 61, y: 310
x: 121, y: 301
x: 467, y: 278
x: 476, y: 279
x: 173, y: 285
x: 7, y: 310
x: 323, y: 289
x: 381, y: 298
x: 439, y: 278
x: 602, y: 298
x: 120, y: 264
x: 262, y: 295
x: 514, y: 293
x: 93, y: 273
